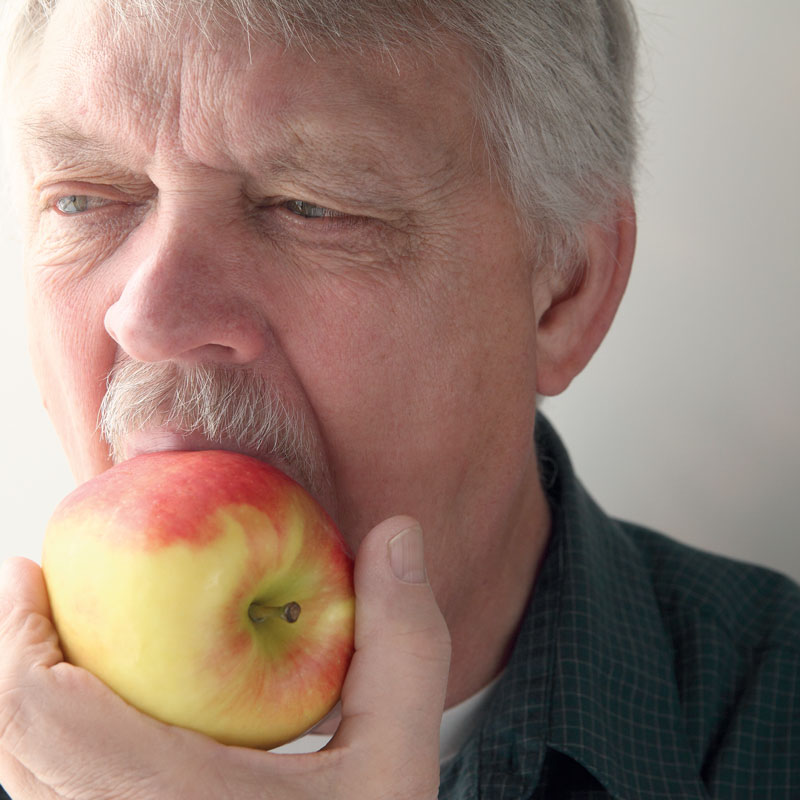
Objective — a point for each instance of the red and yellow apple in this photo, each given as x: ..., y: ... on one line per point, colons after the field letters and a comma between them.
x: 207, y: 589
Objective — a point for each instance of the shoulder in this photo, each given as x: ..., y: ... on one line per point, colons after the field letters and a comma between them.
x: 734, y: 630
x: 749, y: 607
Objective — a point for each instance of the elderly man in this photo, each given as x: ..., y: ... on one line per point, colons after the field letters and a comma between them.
x: 357, y: 239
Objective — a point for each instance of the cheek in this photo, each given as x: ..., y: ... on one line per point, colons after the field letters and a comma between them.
x: 408, y: 384
x: 71, y: 356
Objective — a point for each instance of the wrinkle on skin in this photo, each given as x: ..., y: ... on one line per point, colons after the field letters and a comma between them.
x: 406, y: 339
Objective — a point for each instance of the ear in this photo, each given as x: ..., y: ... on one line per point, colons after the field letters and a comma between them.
x: 573, y: 316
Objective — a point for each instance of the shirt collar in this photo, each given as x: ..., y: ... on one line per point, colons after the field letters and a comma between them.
x: 591, y: 675
x: 614, y: 705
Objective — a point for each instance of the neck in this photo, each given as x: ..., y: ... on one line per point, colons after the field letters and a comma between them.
x: 485, y: 604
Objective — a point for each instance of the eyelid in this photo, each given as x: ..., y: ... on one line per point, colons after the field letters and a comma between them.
x: 328, y: 224
x: 50, y: 194
x: 93, y: 203
x: 336, y: 220
x: 327, y: 212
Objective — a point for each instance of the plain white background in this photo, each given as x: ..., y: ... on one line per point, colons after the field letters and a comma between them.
x: 688, y: 419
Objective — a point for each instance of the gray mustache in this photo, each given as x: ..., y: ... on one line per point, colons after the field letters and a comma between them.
x: 226, y: 404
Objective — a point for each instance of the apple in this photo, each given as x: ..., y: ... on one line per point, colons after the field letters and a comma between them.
x: 208, y: 590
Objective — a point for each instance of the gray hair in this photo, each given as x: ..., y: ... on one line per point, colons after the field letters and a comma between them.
x: 554, y: 84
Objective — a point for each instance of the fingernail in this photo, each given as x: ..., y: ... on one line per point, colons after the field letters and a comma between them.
x: 407, y: 555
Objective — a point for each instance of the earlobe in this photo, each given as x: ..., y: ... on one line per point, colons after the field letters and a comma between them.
x: 575, y: 315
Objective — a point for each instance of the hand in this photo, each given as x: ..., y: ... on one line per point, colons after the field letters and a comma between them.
x: 63, y: 734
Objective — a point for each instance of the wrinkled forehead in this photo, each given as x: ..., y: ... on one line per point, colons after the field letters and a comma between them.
x: 359, y: 23
x: 189, y: 84
x: 389, y: 29
x: 99, y: 62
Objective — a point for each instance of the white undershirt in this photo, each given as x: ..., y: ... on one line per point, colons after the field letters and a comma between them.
x: 457, y: 724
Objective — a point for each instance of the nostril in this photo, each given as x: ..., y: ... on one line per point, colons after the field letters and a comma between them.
x: 224, y: 332
x: 186, y: 300
x: 110, y: 323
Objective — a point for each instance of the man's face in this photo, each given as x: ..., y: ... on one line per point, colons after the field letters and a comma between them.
x: 175, y: 215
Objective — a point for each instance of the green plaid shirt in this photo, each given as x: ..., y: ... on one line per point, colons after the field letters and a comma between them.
x: 644, y: 669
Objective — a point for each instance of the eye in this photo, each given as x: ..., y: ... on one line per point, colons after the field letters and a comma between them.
x: 73, y: 204
x: 305, y: 209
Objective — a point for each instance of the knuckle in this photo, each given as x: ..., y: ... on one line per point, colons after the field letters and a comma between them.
x: 33, y: 628
x: 27, y: 640
x: 8, y: 617
x: 28, y: 644
x: 430, y: 643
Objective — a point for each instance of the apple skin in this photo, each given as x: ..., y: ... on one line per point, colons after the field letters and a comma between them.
x: 151, y: 568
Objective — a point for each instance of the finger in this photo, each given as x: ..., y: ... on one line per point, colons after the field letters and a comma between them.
x: 25, y: 625
x: 394, y: 691
x: 82, y: 741
x: 18, y: 782
x: 63, y: 732
x: 28, y: 641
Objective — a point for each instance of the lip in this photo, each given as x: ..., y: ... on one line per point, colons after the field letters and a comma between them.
x: 156, y: 440
x: 152, y: 441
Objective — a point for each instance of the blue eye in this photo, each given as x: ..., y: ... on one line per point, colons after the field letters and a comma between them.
x: 72, y: 204
x: 309, y: 210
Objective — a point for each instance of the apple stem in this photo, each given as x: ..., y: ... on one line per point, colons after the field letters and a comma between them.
x: 258, y: 612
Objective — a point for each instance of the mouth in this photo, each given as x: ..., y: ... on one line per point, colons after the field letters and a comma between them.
x: 164, y: 406
x: 153, y: 440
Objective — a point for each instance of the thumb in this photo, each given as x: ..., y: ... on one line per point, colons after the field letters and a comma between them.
x: 393, y: 696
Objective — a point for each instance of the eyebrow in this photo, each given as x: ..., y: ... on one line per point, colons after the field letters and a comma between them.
x: 58, y: 138
x: 354, y: 176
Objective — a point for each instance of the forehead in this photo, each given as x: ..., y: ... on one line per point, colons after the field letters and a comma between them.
x: 187, y: 87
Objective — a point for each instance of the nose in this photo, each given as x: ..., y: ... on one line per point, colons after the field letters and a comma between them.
x: 184, y: 299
